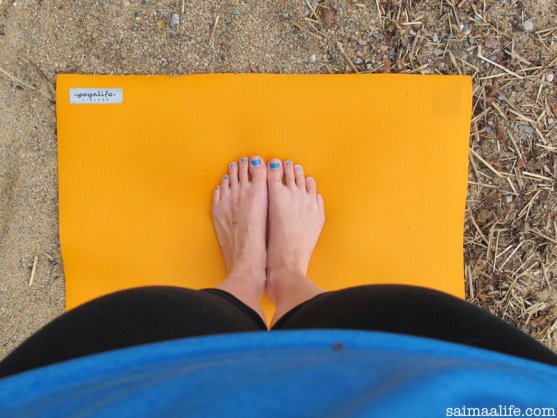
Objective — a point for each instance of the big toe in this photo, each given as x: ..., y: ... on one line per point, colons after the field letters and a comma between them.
x: 257, y: 169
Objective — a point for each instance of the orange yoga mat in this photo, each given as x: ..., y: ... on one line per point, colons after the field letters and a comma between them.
x: 139, y: 157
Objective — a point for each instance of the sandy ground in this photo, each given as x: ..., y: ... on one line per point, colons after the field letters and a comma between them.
x: 509, y: 250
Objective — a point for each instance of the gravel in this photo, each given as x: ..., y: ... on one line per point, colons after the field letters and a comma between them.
x: 527, y: 26
x: 174, y: 20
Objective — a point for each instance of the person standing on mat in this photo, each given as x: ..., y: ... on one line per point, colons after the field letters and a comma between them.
x: 251, y: 194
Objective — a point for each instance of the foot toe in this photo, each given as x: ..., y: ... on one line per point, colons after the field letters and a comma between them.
x: 243, y: 170
x: 233, y: 173
x: 216, y: 195
x: 299, y: 175
x: 275, y: 172
x: 320, y: 202
x: 311, y: 187
x: 225, y: 183
x: 257, y: 169
x: 289, y: 173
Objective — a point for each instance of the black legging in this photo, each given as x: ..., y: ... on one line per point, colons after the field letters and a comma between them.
x: 149, y: 314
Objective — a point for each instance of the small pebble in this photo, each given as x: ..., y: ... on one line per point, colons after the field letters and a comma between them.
x: 235, y: 11
x: 358, y: 61
x: 527, y: 26
x: 435, y: 38
x: 285, y: 16
x: 550, y: 121
x: 362, y: 42
x: 174, y: 20
x: 371, y: 33
x: 313, y: 58
x: 509, y: 198
x: 549, y: 77
x: 369, y: 66
x: 527, y: 129
x: 161, y: 24
x: 491, y: 43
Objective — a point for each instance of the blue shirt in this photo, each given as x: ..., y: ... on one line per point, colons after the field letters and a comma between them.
x: 299, y: 373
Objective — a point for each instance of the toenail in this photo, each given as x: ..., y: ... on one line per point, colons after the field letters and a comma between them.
x: 310, y: 179
x: 298, y: 167
x: 232, y: 165
x: 288, y: 163
x: 225, y: 177
x: 243, y: 159
x: 274, y: 165
x: 256, y: 162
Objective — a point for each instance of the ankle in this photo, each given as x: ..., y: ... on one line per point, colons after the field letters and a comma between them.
x: 246, y: 292
x: 285, y: 284
x: 286, y: 270
x: 253, y: 284
x: 250, y: 277
x: 288, y: 289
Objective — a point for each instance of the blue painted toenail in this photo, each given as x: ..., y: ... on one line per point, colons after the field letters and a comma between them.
x: 243, y: 160
x: 288, y: 163
x: 298, y: 167
x: 274, y: 165
x: 232, y: 165
x: 225, y: 177
x: 255, y: 162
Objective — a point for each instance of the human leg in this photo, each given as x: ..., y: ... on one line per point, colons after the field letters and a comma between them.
x: 416, y: 311
x: 296, y: 217
x: 149, y: 314
x: 131, y: 317
x: 239, y: 215
x: 143, y: 315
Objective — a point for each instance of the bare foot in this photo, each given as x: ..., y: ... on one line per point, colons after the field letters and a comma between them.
x: 296, y: 217
x: 240, y: 217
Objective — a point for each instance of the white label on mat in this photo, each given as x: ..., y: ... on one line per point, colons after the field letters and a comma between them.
x: 96, y: 96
